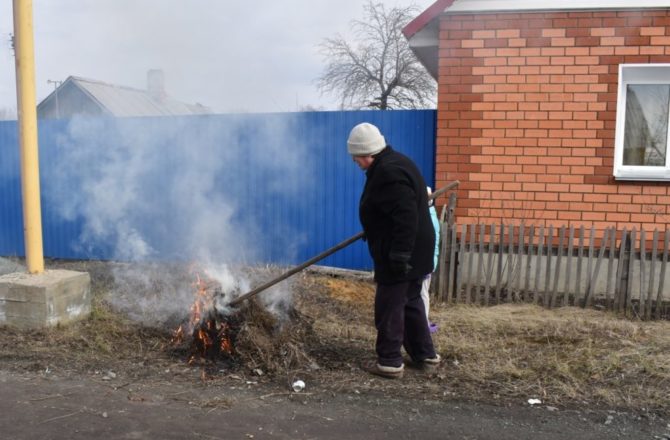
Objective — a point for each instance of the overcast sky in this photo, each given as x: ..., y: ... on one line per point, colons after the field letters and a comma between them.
x: 231, y: 56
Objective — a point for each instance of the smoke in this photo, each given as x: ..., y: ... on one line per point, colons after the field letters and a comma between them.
x: 161, y: 193
x: 9, y: 266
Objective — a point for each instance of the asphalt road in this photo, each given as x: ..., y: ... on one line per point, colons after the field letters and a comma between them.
x: 44, y: 406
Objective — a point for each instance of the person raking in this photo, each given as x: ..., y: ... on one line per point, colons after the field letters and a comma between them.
x: 394, y: 213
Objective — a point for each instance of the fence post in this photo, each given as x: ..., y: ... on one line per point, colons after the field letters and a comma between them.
x: 631, y: 267
x: 568, y: 267
x: 540, y: 249
x: 529, y: 257
x: 652, y: 265
x: 580, y: 256
x: 610, y: 267
x: 499, y: 265
x: 461, y: 261
x: 510, y: 264
x: 559, y: 259
x: 452, y: 263
x: 448, y: 242
x: 547, y: 280
x: 489, y: 266
x: 620, y: 271
x: 661, y: 279
x: 589, y: 265
x: 442, y: 258
x: 480, y: 264
x: 519, y: 264
x: 471, y: 256
x: 643, y: 269
x: 594, y: 276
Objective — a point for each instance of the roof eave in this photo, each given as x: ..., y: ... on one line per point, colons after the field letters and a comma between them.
x: 422, y: 33
x: 426, y: 17
x: 424, y: 44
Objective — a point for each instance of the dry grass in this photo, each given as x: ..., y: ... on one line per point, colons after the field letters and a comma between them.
x: 560, y: 356
x: 274, y: 347
x: 566, y: 357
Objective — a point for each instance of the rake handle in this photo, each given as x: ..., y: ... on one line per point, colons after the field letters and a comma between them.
x: 323, y: 255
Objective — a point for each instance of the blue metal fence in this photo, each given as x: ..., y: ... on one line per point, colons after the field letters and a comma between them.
x: 273, y: 188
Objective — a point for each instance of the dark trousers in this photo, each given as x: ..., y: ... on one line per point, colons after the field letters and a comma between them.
x: 400, y: 318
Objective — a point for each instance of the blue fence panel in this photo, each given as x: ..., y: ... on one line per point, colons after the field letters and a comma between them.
x: 11, y: 215
x: 273, y: 188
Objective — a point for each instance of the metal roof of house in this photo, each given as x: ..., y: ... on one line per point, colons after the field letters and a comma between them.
x: 126, y: 101
x: 422, y: 32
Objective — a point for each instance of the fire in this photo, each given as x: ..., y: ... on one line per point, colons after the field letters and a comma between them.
x: 208, y: 331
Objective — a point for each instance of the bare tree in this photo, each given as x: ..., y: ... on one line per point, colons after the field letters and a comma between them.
x: 381, y: 71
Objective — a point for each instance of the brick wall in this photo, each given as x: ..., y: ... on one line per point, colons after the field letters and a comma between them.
x: 527, y: 113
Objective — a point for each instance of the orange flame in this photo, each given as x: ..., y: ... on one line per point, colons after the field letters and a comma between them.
x: 208, y: 333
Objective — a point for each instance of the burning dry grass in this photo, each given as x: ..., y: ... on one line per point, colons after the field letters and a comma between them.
x: 256, y: 341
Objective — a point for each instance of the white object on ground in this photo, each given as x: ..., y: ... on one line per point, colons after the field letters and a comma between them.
x: 298, y: 386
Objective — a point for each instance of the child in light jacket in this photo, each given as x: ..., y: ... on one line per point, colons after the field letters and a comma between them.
x: 425, y: 294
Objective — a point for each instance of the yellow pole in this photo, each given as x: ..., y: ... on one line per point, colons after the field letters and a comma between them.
x: 27, y: 110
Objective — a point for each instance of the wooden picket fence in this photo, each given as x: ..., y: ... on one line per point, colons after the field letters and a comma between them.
x: 622, y: 271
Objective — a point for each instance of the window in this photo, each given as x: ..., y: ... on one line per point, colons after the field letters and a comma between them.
x: 643, y: 111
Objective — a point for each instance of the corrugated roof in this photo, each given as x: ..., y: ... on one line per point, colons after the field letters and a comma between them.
x: 126, y: 101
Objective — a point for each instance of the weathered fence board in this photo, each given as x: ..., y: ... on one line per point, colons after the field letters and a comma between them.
x: 499, y: 271
x: 559, y: 258
x: 540, y: 250
x: 568, y: 269
x: 529, y: 260
x: 631, y: 267
x: 578, y: 283
x: 553, y: 267
x: 468, y: 289
x: 664, y: 263
x: 610, y: 269
x: 623, y: 255
x: 480, y: 264
x: 489, y: 271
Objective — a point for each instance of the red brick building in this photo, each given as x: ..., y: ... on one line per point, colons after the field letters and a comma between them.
x: 552, y: 112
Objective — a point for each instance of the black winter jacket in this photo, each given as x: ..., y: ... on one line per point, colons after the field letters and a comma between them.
x: 394, y: 213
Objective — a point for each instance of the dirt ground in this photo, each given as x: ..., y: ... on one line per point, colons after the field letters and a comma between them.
x: 110, y: 377
x: 49, y: 406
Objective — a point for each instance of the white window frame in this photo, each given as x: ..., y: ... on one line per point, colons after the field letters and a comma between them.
x: 638, y: 74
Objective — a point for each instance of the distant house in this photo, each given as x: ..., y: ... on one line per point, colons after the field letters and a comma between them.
x: 81, y: 96
x: 552, y: 112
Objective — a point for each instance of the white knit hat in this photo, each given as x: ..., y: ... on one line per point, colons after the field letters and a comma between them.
x: 365, y: 140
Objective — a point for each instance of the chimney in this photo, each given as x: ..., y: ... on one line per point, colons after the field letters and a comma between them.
x: 156, y: 84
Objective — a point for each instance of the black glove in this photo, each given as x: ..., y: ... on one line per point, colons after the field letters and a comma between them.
x: 399, y: 263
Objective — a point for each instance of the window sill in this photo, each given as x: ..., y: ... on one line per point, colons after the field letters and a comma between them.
x: 647, y: 177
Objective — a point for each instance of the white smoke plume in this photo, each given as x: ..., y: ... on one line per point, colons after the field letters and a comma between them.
x: 9, y: 266
x: 153, y: 193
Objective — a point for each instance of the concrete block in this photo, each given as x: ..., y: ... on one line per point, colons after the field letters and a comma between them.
x: 44, y: 300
